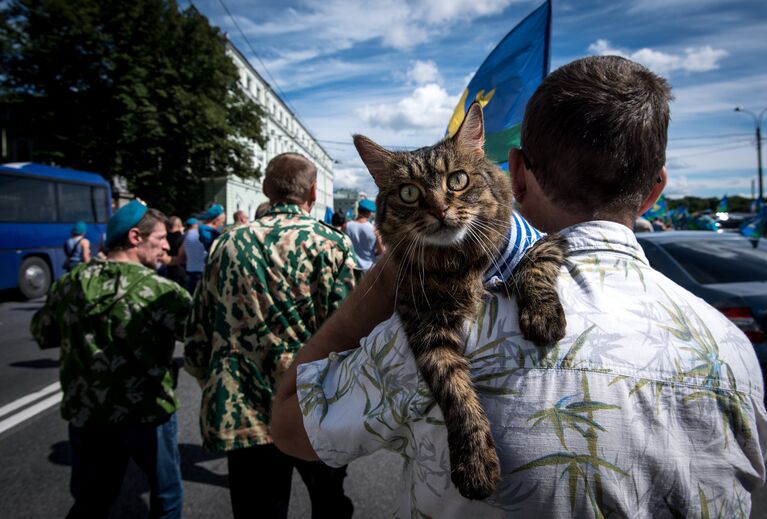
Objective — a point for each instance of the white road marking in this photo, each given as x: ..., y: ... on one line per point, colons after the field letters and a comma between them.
x: 29, y: 412
x: 21, y: 402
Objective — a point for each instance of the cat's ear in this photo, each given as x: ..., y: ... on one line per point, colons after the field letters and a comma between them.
x: 471, y: 135
x: 375, y: 158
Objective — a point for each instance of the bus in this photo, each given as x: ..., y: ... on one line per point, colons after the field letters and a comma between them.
x: 38, y: 206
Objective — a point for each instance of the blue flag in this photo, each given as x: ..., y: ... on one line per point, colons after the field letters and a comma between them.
x: 754, y: 228
x: 506, y: 80
x: 658, y: 210
x: 679, y: 217
x: 328, y: 216
x: 723, y: 206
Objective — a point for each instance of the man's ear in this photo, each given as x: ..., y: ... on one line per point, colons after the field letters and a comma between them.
x: 517, y: 174
x: 471, y: 135
x: 657, y: 190
x: 134, y: 236
x: 313, y: 193
x: 375, y: 158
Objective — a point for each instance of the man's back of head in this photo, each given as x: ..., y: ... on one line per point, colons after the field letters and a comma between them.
x: 290, y: 178
x: 594, y: 134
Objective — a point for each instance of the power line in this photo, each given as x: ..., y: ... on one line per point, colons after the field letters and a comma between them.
x: 715, y: 150
x: 700, y: 137
x: 253, y: 51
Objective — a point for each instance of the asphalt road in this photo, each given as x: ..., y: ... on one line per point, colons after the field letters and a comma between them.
x: 34, y: 471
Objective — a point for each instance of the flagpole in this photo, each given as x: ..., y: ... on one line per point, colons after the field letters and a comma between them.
x: 758, y: 124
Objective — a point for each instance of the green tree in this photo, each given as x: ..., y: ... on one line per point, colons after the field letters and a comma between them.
x: 139, y: 89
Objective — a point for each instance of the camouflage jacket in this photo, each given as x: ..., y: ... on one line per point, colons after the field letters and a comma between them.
x: 116, y: 324
x: 266, y: 289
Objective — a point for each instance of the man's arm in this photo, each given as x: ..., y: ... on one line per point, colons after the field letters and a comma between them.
x: 369, y: 304
x: 198, y: 333
x: 44, y: 325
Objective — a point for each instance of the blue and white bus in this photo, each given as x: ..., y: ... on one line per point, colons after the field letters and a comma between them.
x: 38, y: 205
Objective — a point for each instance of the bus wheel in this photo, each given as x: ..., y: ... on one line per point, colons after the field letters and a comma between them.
x: 34, y: 277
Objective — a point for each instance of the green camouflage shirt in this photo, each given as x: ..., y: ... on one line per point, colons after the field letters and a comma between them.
x: 266, y: 289
x: 116, y: 324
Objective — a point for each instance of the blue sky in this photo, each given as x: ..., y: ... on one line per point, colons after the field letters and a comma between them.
x: 394, y: 70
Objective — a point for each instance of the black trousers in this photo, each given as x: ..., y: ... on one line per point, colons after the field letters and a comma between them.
x: 260, y: 479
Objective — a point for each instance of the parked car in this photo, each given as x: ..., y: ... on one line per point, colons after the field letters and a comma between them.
x: 725, y: 269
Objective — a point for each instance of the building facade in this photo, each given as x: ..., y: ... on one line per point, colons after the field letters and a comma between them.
x: 285, y: 133
x: 345, y: 201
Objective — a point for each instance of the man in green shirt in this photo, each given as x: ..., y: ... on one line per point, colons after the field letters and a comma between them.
x: 116, y: 322
x: 267, y: 287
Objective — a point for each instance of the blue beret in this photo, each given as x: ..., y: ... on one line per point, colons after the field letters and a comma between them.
x: 191, y: 221
x: 367, y: 205
x: 212, y: 212
x: 127, y: 217
x: 79, y: 227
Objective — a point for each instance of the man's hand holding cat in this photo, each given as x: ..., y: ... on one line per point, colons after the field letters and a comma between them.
x: 371, y: 303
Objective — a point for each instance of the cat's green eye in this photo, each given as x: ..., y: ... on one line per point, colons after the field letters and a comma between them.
x: 409, y: 193
x: 457, y: 181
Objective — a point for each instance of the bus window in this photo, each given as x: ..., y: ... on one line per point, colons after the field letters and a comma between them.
x: 100, y: 204
x: 74, y: 203
x: 16, y: 194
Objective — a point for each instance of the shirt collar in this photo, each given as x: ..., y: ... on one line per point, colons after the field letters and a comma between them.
x: 285, y: 208
x: 587, y: 237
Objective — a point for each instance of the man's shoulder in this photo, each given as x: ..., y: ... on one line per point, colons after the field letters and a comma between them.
x: 336, y: 236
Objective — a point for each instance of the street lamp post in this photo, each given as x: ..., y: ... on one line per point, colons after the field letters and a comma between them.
x: 758, y: 124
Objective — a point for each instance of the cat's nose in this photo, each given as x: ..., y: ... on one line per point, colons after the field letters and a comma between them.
x: 439, y: 212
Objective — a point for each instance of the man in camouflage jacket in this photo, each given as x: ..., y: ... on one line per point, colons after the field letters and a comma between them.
x: 116, y: 322
x: 266, y: 289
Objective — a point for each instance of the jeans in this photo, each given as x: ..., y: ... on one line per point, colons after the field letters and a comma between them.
x: 191, y: 281
x: 100, y: 456
x: 260, y: 479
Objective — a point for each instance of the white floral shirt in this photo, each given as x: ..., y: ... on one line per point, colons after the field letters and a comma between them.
x: 651, y: 406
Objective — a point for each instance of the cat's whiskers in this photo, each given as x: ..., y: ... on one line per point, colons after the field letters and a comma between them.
x: 485, y: 227
x: 411, y: 259
x: 388, y: 258
x: 479, y: 241
x: 422, y: 270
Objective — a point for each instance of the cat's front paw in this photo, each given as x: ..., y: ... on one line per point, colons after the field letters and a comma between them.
x: 544, y: 322
x: 476, y: 474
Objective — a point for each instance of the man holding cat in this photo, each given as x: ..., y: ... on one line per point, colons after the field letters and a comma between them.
x: 650, y: 406
x: 266, y: 288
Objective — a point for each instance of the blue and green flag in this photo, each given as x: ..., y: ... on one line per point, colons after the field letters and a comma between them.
x: 754, y: 228
x: 723, y: 206
x: 658, y: 210
x: 506, y: 80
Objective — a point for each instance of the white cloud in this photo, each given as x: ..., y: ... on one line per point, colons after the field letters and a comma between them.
x: 684, y: 185
x: 422, y: 72
x: 354, y: 175
x: 399, y: 24
x: 429, y: 107
x: 694, y: 59
x: 439, y: 11
x: 720, y: 96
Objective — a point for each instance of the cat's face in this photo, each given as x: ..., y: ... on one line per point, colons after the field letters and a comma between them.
x: 446, y: 195
x: 438, y: 194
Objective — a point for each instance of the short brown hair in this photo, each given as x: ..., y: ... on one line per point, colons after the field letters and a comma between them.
x: 145, y: 227
x: 289, y: 178
x: 595, y: 132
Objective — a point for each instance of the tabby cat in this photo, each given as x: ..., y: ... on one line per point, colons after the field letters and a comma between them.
x: 444, y: 213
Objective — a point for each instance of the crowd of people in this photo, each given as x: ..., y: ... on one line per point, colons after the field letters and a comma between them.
x: 652, y: 405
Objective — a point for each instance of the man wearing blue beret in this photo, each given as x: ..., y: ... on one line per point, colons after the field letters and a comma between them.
x: 116, y: 322
x: 366, y: 241
x: 212, y: 221
x: 77, y: 248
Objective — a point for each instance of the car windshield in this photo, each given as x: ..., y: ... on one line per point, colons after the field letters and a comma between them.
x: 711, y: 261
